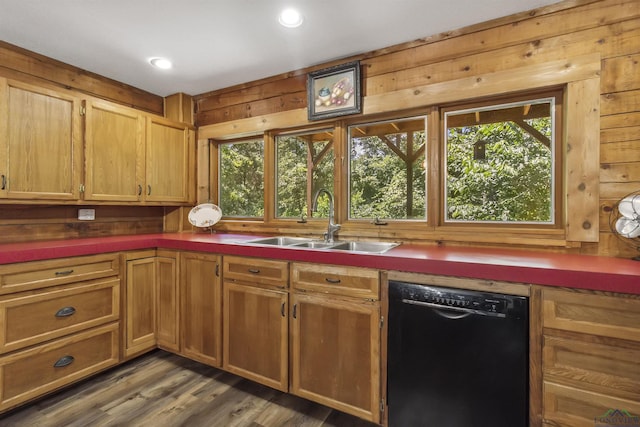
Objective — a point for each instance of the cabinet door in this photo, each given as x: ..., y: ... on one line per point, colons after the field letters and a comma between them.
x: 168, y: 302
x: 114, y: 151
x: 335, y: 350
x: 40, y: 143
x: 140, y: 306
x: 201, y: 307
x: 256, y: 334
x: 167, y: 161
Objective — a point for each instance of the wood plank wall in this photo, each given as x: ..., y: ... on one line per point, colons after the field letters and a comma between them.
x: 568, y: 29
x: 21, y: 223
x: 22, y: 64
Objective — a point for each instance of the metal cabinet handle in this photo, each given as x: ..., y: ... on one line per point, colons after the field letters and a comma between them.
x: 295, y: 310
x: 64, y: 361
x: 4, y: 182
x: 282, y: 310
x: 66, y: 312
x: 332, y: 281
x: 64, y: 273
x: 139, y: 190
x: 253, y: 270
x: 148, y: 190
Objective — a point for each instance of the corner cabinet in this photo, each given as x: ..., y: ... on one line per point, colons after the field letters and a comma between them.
x: 151, y: 302
x: 167, y: 161
x: 140, y: 303
x: 132, y: 157
x: 40, y: 143
x: 201, y: 307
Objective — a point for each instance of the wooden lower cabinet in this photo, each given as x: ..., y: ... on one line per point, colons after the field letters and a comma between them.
x: 140, y: 306
x: 168, y: 301
x: 27, y: 374
x: 151, y: 302
x: 335, y: 351
x: 34, y: 317
x: 590, y: 353
x: 201, y: 307
x: 256, y: 334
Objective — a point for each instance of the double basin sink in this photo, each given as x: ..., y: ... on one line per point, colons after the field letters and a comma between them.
x: 304, y: 243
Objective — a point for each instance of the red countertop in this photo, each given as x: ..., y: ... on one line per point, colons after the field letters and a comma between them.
x: 577, y: 271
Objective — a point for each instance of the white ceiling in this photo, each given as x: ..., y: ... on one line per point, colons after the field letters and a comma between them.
x: 219, y: 43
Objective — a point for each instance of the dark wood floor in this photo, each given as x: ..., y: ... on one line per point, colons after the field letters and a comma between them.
x: 163, y: 390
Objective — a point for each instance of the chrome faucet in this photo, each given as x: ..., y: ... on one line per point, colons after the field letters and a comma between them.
x: 333, y: 227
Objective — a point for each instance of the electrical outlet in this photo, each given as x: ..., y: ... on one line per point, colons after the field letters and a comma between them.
x: 86, y: 214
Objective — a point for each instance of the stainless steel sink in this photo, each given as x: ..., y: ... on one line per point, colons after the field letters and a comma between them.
x: 278, y: 241
x: 315, y: 244
x: 305, y: 243
x: 367, y: 247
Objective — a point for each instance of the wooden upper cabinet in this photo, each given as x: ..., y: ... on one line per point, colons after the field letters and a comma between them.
x: 114, y: 151
x: 133, y: 157
x: 167, y: 161
x: 40, y: 143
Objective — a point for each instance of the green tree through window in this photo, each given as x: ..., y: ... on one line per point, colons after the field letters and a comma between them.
x: 387, y: 176
x: 304, y: 165
x: 499, y: 163
x: 241, y: 179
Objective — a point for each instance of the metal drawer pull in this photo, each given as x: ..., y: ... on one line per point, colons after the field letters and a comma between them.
x: 333, y: 281
x: 64, y: 361
x: 64, y: 273
x: 139, y: 189
x: 282, y: 310
x: 66, y: 312
x: 253, y: 270
x: 295, y: 311
x: 4, y: 182
x: 148, y: 190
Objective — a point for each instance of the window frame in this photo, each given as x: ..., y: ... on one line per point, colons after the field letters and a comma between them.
x: 365, y: 123
x: 299, y: 132
x: 215, y: 171
x: 558, y: 180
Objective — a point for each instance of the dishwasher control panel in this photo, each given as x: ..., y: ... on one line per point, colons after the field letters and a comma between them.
x: 474, y: 301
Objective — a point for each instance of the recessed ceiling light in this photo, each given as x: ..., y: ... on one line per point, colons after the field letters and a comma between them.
x: 162, y: 63
x: 290, y: 18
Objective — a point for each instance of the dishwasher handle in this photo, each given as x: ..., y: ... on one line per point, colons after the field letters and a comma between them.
x: 465, y: 311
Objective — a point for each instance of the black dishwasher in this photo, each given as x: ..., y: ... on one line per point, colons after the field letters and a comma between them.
x: 457, y: 358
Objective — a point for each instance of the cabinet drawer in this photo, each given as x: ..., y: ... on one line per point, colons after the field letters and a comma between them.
x: 40, y: 274
x: 569, y: 406
x: 36, y: 317
x: 592, y: 365
x: 331, y: 279
x: 256, y: 271
x: 28, y: 374
x: 610, y: 316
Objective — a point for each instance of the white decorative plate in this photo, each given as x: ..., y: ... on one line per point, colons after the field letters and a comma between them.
x: 205, y: 215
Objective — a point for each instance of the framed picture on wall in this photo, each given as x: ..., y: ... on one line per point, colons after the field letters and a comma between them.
x: 334, y: 91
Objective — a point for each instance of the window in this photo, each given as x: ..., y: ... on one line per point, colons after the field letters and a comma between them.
x: 500, y: 162
x: 241, y: 178
x: 304, y: 164
x: 386, y: 170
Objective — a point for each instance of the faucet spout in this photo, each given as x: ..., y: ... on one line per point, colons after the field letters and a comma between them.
x: 332, y: 228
